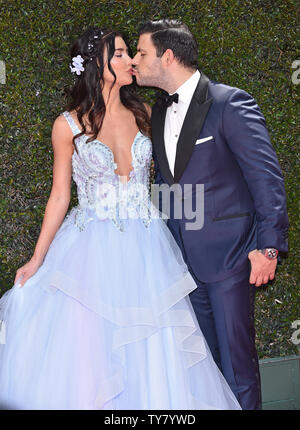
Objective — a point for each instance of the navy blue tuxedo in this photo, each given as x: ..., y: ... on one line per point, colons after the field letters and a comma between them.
x: 244, y: 196
x: 244, y: 209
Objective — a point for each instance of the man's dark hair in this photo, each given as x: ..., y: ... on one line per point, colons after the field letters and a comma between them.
x: 174, y: 35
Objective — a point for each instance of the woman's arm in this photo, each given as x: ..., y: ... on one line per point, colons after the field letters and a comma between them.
x: 59, y: 199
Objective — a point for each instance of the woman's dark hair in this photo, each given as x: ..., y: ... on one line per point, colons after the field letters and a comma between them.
x: 86, y: 94
x: 173, y: 34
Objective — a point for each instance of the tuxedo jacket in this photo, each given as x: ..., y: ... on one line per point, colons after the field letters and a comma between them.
x: 244, y: 195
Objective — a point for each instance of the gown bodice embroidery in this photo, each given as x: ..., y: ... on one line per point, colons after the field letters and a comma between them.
x: 100, y: 190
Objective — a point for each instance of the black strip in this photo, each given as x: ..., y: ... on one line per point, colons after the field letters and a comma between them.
x: 232, y: 216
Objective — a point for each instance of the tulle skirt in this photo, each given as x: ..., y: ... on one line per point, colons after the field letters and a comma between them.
x: 106, y: 323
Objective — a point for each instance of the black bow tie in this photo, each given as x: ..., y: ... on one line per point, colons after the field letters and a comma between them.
x: 170, y: 99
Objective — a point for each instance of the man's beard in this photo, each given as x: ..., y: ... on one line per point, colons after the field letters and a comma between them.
x: 156, y: 79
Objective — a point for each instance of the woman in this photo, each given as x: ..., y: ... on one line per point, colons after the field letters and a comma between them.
x: 102, y: 318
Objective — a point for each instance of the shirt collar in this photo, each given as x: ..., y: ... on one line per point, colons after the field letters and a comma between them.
x: 186, y: 90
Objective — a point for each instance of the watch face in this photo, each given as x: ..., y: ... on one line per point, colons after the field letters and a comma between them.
x: 272, y: 253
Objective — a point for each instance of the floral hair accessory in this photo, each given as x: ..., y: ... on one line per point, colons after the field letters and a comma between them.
x: 77, y: 65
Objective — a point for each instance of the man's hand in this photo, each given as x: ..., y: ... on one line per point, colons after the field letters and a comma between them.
x: 262, y: 269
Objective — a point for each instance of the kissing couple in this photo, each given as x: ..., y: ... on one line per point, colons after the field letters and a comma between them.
x: 139, y: 313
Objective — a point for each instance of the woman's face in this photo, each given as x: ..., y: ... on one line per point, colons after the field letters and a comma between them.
x: 121, y: 64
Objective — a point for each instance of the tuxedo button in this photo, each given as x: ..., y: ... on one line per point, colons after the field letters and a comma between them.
x: 176, y: 135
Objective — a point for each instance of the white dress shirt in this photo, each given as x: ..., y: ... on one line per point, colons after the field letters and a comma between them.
x: 175, y: 116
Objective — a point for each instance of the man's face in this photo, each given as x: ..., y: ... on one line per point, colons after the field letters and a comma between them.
x: 147, y: 66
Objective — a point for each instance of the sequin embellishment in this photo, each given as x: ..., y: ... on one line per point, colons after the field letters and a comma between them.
x: 101, y: 194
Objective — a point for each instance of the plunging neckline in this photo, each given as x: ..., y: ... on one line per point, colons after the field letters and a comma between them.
x: 106, y: 146
x: 128, y: 177
x: 111, y: 151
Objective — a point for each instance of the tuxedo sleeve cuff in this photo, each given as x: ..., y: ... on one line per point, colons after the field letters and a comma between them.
x: 273, y: 239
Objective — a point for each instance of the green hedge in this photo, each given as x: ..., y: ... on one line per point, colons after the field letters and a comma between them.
x: 249, y: 44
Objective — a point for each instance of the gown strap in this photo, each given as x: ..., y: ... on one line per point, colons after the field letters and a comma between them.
x: 74, y: 127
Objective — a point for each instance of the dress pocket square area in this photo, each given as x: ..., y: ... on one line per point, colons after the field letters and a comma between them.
x: 205, y: 139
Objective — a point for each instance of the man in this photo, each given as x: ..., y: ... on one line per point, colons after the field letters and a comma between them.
x: 212, y: 134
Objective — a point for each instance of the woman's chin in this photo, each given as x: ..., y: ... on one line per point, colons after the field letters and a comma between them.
x: 126, y: 82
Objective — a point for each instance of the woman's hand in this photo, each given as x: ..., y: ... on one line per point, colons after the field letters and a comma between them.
x: 25, y: 272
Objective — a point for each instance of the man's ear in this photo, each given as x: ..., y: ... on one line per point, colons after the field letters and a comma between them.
x: 168, y: 57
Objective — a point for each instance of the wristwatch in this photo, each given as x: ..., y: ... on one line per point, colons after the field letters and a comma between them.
x: 269, y: 253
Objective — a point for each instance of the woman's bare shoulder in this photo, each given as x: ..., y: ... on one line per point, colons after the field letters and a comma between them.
x: 61, y: 124
x: 62, y: 135
x: 60, y: 121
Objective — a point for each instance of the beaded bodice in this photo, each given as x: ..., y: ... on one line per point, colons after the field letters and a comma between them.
x: 101, y: 192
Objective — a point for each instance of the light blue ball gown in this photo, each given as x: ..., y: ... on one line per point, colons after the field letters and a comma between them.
x: 106, y: 321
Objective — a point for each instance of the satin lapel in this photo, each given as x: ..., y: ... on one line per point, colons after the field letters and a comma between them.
x: 192, y: 126
x: 158, y: 129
